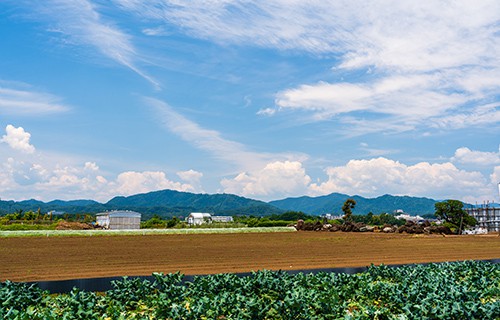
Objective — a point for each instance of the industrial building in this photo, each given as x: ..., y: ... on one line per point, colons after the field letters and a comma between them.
x: 119, y: 220
x: 487, y: 216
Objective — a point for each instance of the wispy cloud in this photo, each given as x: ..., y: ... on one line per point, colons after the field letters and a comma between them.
x: 22, y: 99
x: 212, y: 141
x: 205, y: 139
x: 81, y: 23
x: 426, y: 60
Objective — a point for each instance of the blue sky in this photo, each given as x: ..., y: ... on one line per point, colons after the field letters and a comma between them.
x: 261, y: 99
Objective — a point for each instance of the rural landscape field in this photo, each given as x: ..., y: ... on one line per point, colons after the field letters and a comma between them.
x: 458, y: 290
x: 56, y: 258
x: 235, y: 159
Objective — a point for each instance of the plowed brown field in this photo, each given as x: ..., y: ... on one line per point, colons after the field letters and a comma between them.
x: 56, y: 258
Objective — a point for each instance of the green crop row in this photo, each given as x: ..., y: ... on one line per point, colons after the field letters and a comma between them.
x: 458, y: 290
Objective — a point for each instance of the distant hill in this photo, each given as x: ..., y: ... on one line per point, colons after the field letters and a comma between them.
x: 73, y: 203
x: 332, y: 203
x: 185, y: 202
x: 165, y: 203
x: 168, y: 203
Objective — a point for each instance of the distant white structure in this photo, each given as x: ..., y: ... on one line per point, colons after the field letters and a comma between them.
x: 476, y: 231
x: 487, y: 217
x: 330, y: 216
x: 119, y: 220
x: 222, y: 219
x: 407, y: 217
x: 198, y: 218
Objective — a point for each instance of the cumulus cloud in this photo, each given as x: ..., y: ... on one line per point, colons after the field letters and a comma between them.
x: 369, y: 178
x: 190, y: 176
x: 378, y: 176
x: 132, y: 182
x: 279, y: 178
x: 38, y: 175
x: 92, y: 166
x: 468, y: 156
x: 495, y: 177
x: 18, y: 139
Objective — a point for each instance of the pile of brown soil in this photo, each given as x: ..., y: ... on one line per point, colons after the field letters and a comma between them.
x: 65, y: 225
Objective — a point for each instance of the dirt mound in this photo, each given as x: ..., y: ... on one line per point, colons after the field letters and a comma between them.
x: 65, y: 225
x: 415, y: 228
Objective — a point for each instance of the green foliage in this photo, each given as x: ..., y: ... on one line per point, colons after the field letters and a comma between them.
x: 26, y: 227
x: 291, y: 216
x: 460, y: 290
x: 347, y: 207
x: 377, y: 220
x: 261, y: 222
x: 452, y: 212
x: 156, y: 222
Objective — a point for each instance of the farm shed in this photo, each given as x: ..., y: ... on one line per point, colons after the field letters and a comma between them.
x: 199, y: 218
x: 119, y: 220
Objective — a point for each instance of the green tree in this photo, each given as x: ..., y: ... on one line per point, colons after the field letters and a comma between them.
x: 349, y: 204
x: 452, y: 212
x: 172, y: 222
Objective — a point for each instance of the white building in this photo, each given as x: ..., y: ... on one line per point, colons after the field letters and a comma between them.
x: 198, y: 218
x: 119, y: 220
x: 222, y: 219
x: 407, y: 217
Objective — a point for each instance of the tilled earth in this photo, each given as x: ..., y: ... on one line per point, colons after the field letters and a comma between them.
x: 58, y: 258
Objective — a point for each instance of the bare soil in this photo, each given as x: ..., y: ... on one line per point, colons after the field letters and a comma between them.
x: 58, y: 258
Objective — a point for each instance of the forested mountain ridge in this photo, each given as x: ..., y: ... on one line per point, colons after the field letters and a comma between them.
x: 165, y: 203
x: 168, y: 203
x: 332, y: 203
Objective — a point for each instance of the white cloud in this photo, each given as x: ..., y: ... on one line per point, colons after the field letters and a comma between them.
x: 158, y: 31
x: 266, y: 112
x: 495, y: 178
x: 82, y: 24
x: 18, y: 139
x: 468, y: 156
x: 190, y: 176
x: 374, y: 152
x: 478, y: 116
x: 378, y: 176
x: 48, y: 176
x: 212, y: 141
x: 279, y: 178
x: 369, y: 178
x: 410, y: 35
x: 21, y: 99
x: 398, y: 102
x: 131, y: 182
x: 92, y: 166
x: 431, y: 63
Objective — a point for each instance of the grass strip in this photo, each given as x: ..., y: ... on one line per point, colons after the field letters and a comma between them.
x: 89, y: 233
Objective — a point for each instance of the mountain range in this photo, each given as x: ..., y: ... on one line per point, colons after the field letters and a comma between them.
x: 168, y: 203
x: 332, y: 203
